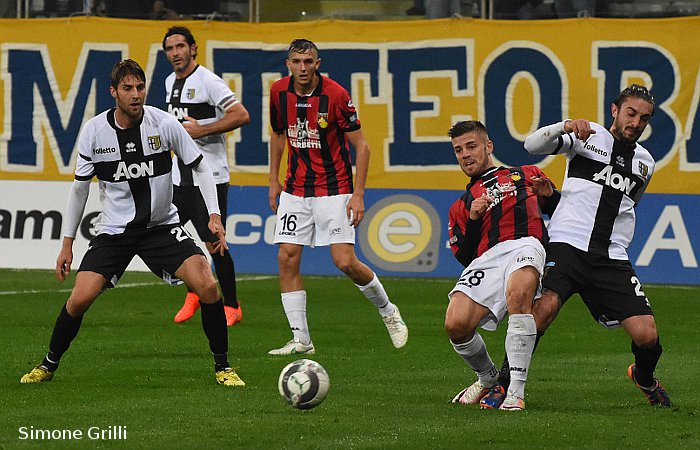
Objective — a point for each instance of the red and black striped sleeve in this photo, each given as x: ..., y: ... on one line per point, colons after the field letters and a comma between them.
x: 464, y: 232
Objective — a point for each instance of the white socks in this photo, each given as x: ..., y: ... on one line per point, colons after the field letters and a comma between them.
x: 294, y: 304
x: 375, y: 293
x: 520, y: 343
x: 475, y: 354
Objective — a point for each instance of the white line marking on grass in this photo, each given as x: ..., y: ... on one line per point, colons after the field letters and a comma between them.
x: 128, y: 285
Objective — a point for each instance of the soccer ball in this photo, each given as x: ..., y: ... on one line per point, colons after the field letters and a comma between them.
x: 303, y: 384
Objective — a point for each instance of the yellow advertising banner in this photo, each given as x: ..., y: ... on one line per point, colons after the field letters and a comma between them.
x: 410, y: 81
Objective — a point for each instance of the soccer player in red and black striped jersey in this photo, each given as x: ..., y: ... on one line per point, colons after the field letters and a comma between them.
x: 497, y: 232
x: 319, y: 205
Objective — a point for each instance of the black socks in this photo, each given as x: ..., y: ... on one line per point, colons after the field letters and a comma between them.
x: 64, y: 331
x: 646, y: 360
x: 226, y: 274
x: 214, y: 325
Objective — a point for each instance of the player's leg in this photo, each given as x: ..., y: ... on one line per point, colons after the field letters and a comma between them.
x: 224, y: 266
x: 368, y: 283
x: 647, y: 352
x: 186, y: 199
x: 616, y: 298
x: 521, y: 334
x: 196, y: 273
x: 101, y: 267
x: 564, y: 274
x: 169, y: 251
x: 294, y: 229
x: 88, y: 286
x: 461, y: 320
x: 545, y: 310
x: 293, y: 301
x: 226, y: 275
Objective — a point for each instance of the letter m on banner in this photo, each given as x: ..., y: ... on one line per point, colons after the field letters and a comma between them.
x: 35, y: 109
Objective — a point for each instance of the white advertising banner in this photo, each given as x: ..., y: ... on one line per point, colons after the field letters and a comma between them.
x: 31, y: 217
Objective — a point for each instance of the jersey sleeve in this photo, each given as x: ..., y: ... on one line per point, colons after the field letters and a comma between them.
x: 464, y: 232
x: 220, y: 94
x: 346, y: 114
x: 550, y: 140
x: 276, y: 116
x: 84, y: 168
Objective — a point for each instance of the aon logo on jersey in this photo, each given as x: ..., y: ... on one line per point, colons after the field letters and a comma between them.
x: 178, y: 113
x: 615, y: 180
x: 135, y: 170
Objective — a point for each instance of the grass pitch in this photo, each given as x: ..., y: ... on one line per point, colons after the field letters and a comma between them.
x: 131, y: 367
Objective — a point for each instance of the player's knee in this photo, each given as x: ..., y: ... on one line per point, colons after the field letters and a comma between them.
x: 458, y: 329
x: 519, y: 301
x: 345, y: 263
x: 76, y: 308
x: 287, y: 261
x: 646, y: 338
x: 208, y: 291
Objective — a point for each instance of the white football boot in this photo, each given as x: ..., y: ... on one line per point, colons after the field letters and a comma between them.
x: 472, y: 395
x: 294, y: 347
x: 398, y: 331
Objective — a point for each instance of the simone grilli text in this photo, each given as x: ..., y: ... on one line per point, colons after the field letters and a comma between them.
x: 114, y: 432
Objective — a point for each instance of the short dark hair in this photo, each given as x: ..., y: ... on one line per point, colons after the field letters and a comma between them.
x: 124, y: 68
x: 180, y: 30
x: 467, y: 126
x: 636, y: 91
x: 301, y: 46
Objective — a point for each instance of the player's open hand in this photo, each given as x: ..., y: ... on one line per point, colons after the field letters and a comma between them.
x: 217, y: 230
x: 581, y: 128
x: 479, y: 207
x: 193, y: 128
x: 541, y: 186
x: 355, y: 210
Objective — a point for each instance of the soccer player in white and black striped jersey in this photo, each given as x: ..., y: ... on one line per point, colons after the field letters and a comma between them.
x: 127, y: 148
x: 606, y: 174
x: 208, y: 109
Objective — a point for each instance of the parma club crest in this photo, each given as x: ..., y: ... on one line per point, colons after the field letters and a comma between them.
x: 189, y: 94
x: 154, y: 142
x: 643, y: 169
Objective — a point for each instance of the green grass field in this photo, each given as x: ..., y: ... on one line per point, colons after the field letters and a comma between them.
x: 132, y: 367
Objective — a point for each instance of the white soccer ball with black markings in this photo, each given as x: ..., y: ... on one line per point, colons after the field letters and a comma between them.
x: 303, y: 384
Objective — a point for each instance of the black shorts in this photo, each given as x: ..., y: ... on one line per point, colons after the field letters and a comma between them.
x: 163, y: 249
x: 191, y: 207
x: 609, y: 287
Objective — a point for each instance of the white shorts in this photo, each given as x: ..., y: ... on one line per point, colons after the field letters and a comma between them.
x: 486, y: 278
x: 313, y: 221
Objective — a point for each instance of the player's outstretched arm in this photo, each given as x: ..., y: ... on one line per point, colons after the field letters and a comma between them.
x: 552, y: 139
